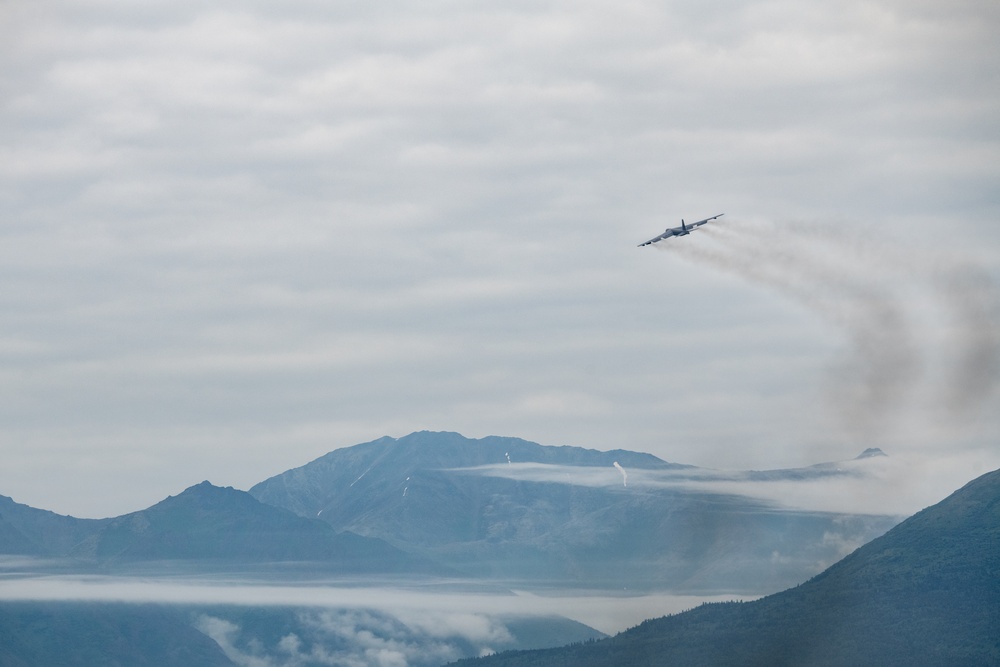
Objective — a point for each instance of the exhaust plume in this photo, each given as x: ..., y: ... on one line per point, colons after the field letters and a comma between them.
x: 863, y: 288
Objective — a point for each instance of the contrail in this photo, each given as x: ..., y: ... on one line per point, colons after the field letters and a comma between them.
x: 975, y: 299
x: 883, y: 362
x: 857, y: 284
x: 624, y: 474
x: 967, y: 292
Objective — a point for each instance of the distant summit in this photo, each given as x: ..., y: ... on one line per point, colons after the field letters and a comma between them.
x: 871, y: 452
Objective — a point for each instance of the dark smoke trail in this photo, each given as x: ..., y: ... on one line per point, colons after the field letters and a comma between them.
x: 883, y: 364
x: 854, y: 282
x: 975, y: 301
x: 967, y: 292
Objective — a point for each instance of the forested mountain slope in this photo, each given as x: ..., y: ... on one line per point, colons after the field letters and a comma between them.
x: 925, y: 593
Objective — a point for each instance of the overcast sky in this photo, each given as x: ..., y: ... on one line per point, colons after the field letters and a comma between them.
x: 238, y: 235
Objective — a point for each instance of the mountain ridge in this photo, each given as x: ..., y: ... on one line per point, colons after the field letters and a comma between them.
x: 512, y: 509
x: 365, y: 457
x: 27, y: 530
x: 208, y: 523
x: 496, y: 508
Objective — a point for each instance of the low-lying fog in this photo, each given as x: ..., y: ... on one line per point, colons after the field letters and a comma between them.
x: 886, y: 485
x: 607, y: 611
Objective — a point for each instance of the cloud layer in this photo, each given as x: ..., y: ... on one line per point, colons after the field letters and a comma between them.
x: 475, y: 616
x: 898, y: 486
x: 235, y: 237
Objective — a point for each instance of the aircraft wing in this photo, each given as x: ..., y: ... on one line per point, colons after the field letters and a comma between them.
x: 702, y: 222
x: 680, y: 231
x: 666, y: 234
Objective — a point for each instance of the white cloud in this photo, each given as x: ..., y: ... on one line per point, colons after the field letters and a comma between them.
x: 893, y: 485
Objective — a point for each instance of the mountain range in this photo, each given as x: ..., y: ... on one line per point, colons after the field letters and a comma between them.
x: 509, y: 509
x: 925, y: 593
x: 497, y: 509
x: 205, y: 528
x: 506, y: 511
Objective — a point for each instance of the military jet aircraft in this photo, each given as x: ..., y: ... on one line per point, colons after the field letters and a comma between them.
x: 683, y: 230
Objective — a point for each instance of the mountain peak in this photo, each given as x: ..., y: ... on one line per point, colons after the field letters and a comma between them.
x: 206, y: 487
x: 208, y: 496
x: 871, y: 452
